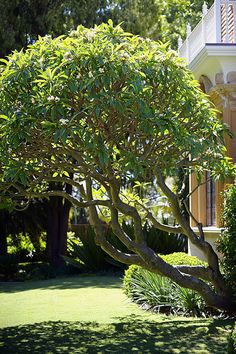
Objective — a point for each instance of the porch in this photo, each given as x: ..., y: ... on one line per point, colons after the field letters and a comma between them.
x: 217, y: 27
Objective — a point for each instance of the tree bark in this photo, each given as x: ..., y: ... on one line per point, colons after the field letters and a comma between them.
x: 3, y: 234
x: 187, y: 277
x: 58, y: 216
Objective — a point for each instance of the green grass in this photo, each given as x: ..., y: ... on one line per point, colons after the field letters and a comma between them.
x: 90, y: 314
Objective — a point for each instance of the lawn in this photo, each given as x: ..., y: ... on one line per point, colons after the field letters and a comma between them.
x: 90, y: 314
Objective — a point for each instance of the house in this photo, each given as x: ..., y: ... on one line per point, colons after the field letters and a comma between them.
x: 210, y: 52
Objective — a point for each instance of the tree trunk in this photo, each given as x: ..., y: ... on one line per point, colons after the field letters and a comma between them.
x: 58, y: 216
x: 3, y: 242
x: 3, y: 234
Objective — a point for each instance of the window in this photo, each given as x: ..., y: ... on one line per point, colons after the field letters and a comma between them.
x: 210, y: 201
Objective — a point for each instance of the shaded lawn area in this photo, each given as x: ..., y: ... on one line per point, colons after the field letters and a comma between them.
x: 90, y: 314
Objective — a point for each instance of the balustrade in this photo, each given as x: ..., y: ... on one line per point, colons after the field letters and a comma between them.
x: 218, y: 25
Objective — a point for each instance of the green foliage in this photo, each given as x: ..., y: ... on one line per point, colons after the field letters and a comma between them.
x: 26, y: 20
x: 232, y: 342
x: 181, y: 258
x: 112, y: 76
x: 85, y: 253
x: 24, y: 229
x: 163, y: 20
x: 158, y: 292
x: 227, y: 240
x: 130, y: 273
x: 151, y: 289
x: 160, y: 241
x: 186, y: 301
x: 23, y: 246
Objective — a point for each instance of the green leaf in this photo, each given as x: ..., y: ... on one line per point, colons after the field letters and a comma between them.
x: 2, y: 116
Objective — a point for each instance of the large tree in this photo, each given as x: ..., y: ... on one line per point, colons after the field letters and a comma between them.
x: 22, y: 21
x: 103, y: 106
x: 157, y: 19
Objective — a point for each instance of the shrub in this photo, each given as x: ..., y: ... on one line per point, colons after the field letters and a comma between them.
x: 157, y: 292
x: 232, y: 341
x: 181, y: 258
x: 35, y: 271
x: 23, y: 248
x: 8, y: 267
x: 227, y: 240
x: 161, y: 242
x: 85, y: 254
x: 151, y: 289
x: 85, y: 251
x: 186, y: 301
x: 130, y: 274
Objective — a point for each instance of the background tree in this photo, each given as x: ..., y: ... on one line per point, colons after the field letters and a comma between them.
x: 24, y: 20
x: 104, y: 106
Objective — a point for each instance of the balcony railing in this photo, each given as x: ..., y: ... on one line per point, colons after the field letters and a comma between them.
x: 218, y: 25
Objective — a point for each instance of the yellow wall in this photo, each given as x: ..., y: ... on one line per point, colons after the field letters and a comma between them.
x: 224, y: 98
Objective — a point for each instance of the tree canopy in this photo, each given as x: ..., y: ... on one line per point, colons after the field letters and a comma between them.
x: 101, y: 106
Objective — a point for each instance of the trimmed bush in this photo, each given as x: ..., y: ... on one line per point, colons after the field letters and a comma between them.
x: 130, y: 274
x: 181, y: 258
x: 158, y: 292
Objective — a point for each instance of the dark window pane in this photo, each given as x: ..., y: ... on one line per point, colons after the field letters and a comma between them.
x: 210, y: 201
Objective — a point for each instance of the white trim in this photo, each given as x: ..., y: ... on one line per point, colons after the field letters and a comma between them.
x: 209, y: 230
x: 226, y: 50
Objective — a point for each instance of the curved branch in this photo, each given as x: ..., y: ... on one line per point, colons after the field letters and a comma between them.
x: 100, y: 235
x: 127, y: 210
x: 212, y: 258
x: 118, y: 231
x: 160, y: 226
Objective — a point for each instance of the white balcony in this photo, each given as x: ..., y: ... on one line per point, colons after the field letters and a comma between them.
x: 218, y: 26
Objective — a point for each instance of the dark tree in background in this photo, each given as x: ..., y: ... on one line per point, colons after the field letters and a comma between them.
x: 22, y: 21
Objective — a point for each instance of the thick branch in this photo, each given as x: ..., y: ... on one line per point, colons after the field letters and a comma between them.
x: 100, y: 235
x: 204, y: 246
x: 196, y: 271
x: 119, y: 232
x: 127, y: 210
x: 156, y: 264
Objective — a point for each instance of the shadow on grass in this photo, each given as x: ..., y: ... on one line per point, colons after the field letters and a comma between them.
x: 129, y: 335
x: 76, y: 282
